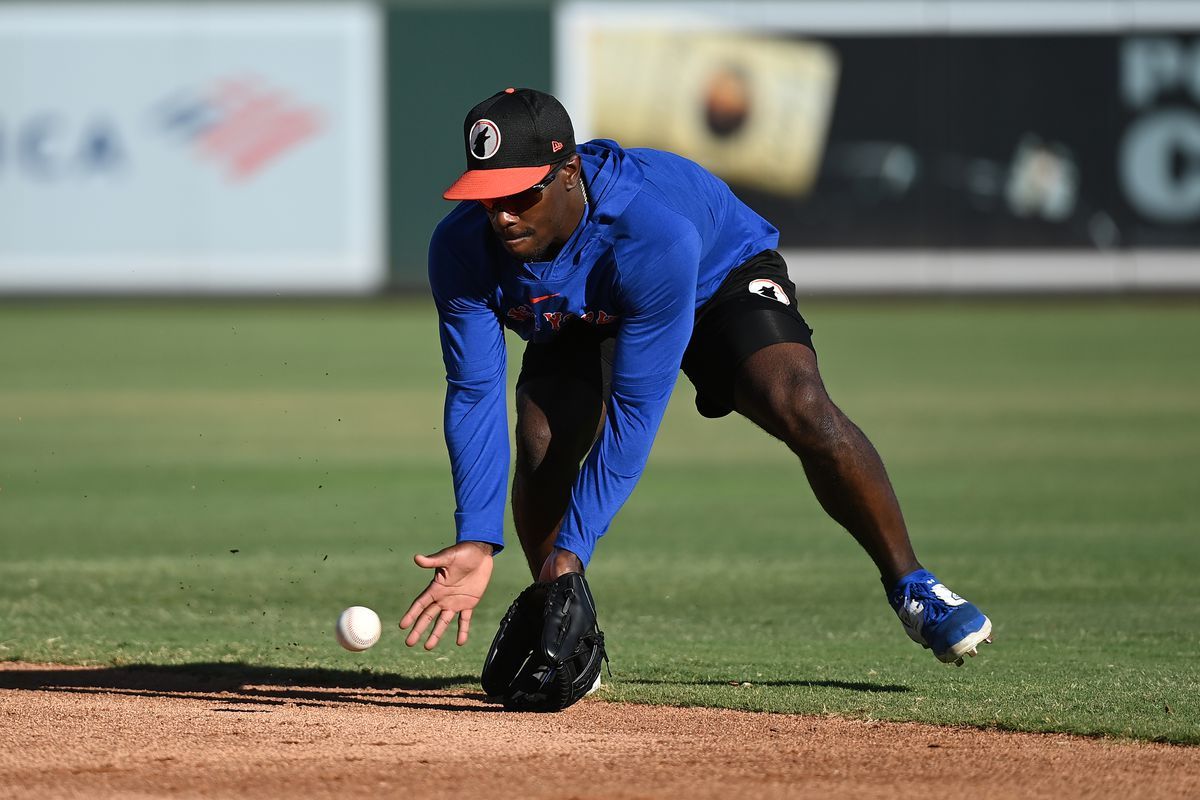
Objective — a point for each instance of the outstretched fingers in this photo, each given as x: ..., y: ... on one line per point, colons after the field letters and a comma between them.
x: 423, y: 601
x: 420, y: 620
x: 443, y: 622
x: 461, y: 574
x: 464, y: 627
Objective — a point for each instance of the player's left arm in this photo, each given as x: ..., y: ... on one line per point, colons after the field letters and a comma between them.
x: 660, y: 301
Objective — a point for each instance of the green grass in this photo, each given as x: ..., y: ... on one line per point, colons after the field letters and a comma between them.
x: 1046, y: 455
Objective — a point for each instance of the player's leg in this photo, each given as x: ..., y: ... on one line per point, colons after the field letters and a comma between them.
x: 560, y: 410
x: 779, y: 388
x: 752, y: 351
x: 557, y: 421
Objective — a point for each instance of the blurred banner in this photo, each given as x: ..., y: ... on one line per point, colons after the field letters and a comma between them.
x: 210, y: 147
x: 923, y: 145
x: 723, y: 99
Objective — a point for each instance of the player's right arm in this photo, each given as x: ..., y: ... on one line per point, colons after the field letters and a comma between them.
x: 475, y: 418
x: 475, y: 425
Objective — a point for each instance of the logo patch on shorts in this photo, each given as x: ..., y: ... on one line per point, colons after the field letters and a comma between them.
x: 769, y: 289
x: 484, y: 138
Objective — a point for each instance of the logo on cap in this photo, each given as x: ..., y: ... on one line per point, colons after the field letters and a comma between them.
x: 484, y: 138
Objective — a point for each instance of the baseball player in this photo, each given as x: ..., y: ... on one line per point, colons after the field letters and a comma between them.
x: 619, y: 267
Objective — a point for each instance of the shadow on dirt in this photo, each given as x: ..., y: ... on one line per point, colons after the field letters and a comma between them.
x: 248, y: 688
x: 853, y: 686
x: 236, y: 684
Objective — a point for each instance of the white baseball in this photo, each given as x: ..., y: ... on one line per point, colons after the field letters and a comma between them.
x: 358, y: 628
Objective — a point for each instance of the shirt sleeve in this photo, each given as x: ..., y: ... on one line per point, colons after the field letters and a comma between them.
x: 475, y: 414
x: 661, y: 301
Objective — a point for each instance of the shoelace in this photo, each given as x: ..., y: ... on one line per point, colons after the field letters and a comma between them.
x: 934, y: 610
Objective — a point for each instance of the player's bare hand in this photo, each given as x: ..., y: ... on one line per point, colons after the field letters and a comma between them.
x: 460, y: 576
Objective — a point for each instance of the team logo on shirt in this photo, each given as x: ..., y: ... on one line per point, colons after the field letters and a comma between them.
x: 484, y: 139
x: 769, y: 289
x: 556, y: 319
x: 520, y: 313
x: 599, y: 318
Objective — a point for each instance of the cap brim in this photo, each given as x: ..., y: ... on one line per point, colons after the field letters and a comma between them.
x: 486, y: 184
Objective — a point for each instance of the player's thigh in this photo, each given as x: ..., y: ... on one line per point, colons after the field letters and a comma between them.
x: 753, y: 310
x: 779, y: 388
x: 557, y: 418
x: 561, y: 393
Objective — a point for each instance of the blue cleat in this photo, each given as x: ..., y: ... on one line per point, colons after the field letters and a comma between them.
x: 938, y: 619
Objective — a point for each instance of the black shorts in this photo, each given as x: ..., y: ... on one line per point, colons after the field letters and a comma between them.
x: 754, y: 307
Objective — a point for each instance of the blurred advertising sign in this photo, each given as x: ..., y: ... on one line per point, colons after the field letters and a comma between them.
x: 724, y: 99
x: 948, y: 144
x: 195, y: 147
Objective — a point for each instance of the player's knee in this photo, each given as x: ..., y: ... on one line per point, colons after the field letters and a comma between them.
x: 807, y: 413
x: 533, y: 438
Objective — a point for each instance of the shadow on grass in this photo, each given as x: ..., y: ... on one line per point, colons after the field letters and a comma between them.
x: 237, y: 684
x: 853, y: 686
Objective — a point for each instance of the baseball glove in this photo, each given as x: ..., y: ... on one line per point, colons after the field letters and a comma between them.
x: 547, y: 652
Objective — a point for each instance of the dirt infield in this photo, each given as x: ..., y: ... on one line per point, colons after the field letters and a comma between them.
x: 226, y: 730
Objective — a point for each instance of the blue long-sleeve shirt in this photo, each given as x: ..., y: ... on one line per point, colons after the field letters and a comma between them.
x: 658, y: 236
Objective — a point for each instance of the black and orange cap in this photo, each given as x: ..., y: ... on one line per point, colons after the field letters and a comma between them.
x: 513, y: 138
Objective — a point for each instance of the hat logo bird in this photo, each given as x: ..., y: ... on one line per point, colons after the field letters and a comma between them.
x: 479, y: 147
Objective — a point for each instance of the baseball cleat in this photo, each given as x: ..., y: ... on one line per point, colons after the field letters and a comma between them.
x: 974, y: 651
x: 938, y: 619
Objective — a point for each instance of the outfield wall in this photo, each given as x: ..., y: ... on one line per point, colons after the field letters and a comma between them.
x: 261, y: 148
x: 179, y: 148
x: 921, y: 145
x: 284, y: 148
